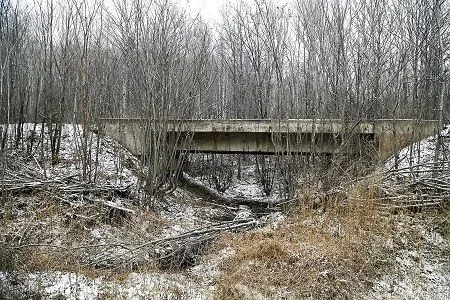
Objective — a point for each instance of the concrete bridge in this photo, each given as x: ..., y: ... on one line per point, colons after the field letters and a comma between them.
x: 324, y: 136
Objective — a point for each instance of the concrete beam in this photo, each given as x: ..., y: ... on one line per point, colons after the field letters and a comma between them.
x: 256, y: 126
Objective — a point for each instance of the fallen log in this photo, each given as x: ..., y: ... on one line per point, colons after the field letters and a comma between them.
x: 232, y: 203
x: 171, y: 252
x: 209, y: 193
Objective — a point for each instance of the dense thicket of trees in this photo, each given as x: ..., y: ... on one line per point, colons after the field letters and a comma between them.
x: 80, y: 60
x: 340, y: 59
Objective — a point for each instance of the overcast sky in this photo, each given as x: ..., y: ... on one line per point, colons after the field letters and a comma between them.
x: 209, y: 10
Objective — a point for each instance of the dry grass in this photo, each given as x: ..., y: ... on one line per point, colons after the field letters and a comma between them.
x: 41, y: 233
x: 314, y: 256
x: 328, y: 249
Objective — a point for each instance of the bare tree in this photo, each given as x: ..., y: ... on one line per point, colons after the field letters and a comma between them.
x: 86, y: 12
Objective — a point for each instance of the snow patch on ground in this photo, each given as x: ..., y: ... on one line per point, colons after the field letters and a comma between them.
x: 208, y: 270
x: 416, y: 274
x: 247, y: 187
x: 73, y: 286
x: 184, y: 212
x: 272, y: 221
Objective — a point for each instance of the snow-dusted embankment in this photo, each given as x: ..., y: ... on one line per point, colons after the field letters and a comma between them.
x: 419, y: 245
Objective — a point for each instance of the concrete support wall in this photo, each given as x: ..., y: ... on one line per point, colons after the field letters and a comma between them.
x: 128, y: 134
x: 394, y: 135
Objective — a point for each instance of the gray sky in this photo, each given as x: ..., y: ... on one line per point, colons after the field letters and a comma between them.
x: 209, y: 10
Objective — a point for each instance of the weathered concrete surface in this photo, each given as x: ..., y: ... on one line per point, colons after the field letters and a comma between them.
x: 394, y: 135
x: 274, y: 136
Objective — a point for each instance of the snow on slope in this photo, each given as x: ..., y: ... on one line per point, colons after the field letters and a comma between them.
x: 115, y: 164
x: 419, y: 154
x: 421, y: 269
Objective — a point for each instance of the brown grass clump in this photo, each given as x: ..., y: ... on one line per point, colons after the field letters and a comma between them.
x: 262, y: 247
x: 314, y: 256
x: 42, y: 233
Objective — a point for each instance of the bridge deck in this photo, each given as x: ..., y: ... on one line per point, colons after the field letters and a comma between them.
x: 249, y: 125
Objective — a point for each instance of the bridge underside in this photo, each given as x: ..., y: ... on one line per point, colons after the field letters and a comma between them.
x: 268, y: 143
